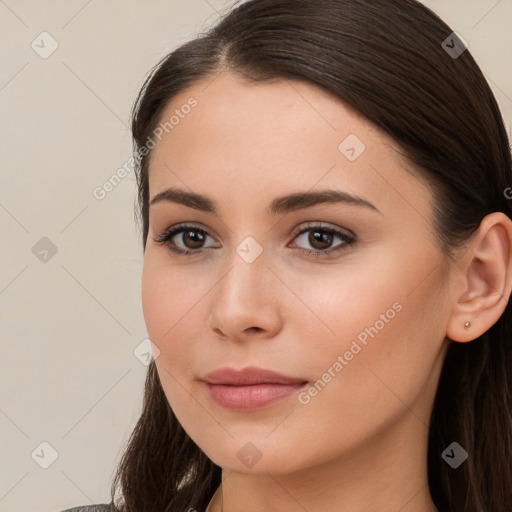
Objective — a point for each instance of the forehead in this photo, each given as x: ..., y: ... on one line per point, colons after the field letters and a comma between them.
x: 259, y: 139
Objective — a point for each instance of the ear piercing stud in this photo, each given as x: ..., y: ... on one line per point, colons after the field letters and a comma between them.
x: 467, y: 325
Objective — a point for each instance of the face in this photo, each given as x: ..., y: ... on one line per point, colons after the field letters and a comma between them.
x: 345, y: 296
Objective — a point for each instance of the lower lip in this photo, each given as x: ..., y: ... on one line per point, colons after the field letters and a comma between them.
x: 251, y: 398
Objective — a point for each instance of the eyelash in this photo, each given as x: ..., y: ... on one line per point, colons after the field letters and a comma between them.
x: 166, y: 237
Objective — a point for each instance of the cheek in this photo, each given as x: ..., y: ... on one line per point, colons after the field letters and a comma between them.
x: 176, y: 304
x: 384, y: 353
x: 158, y: 301
x: 170, y: 303
x: 169, y: 296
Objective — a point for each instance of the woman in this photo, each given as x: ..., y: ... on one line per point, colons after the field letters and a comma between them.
x: 327, y: 268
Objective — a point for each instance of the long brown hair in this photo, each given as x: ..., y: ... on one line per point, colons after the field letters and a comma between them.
x: 387, y: 60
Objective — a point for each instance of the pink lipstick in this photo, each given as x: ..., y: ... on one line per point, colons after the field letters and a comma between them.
x: 251, y: 388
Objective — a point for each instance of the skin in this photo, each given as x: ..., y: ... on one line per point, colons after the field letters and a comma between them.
x: 360, y: 444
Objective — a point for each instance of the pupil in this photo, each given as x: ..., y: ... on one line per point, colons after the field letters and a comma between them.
x: 194, y: 235
x: 322, y: 237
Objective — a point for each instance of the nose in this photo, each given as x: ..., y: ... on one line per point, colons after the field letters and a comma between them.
x: 246, y: 302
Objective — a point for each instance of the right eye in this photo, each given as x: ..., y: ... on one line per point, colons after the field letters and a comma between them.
x: 192, y: 238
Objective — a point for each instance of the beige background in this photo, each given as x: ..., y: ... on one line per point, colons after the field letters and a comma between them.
x: 69, y: 376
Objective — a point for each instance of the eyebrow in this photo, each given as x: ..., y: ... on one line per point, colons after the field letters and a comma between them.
x: 283, y: 204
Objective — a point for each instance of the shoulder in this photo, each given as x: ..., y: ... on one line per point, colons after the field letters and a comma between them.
x: 104, y: 507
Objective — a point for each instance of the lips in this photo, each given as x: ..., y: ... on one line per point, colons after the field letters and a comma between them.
x: 249, y: 376
x: 250, y: 389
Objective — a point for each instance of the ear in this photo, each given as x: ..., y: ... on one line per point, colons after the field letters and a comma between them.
x: 483, y: 279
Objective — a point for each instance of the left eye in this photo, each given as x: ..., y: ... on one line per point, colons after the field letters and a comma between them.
x: 322, y: 238
x: 318, y: 236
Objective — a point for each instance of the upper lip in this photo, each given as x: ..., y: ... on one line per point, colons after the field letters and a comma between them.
x: 248, y: 376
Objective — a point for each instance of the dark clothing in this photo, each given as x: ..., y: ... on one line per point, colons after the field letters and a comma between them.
x: 104, y: 507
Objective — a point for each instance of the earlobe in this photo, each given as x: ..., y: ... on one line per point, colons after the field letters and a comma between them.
x: 485, y: 274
